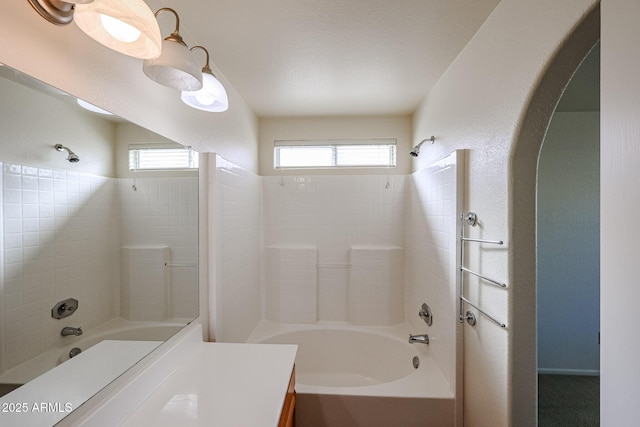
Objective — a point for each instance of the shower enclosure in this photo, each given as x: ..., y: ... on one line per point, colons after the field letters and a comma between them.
x: 352, y: 254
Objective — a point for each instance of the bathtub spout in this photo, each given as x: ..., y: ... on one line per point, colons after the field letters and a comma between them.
x: 422, y: 339
x: 68, y: 330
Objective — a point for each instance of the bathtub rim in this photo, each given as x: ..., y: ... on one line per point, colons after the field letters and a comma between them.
x: 426, y: 382
x: 42, y: 363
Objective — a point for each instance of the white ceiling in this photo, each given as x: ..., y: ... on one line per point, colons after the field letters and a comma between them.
x: 331, y: 57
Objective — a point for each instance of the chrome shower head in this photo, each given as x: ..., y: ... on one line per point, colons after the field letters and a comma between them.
x: 415, y: 152
x: 72, y: 157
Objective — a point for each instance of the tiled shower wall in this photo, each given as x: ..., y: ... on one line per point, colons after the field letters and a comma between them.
x: 431, y: 255
x: 335, y: 215
x: 62, y: 236
x: 235, y: 292
x: 163, y: 211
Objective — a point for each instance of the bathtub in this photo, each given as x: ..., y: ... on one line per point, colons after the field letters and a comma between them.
x: 116, y: 329
x: 348, y: 375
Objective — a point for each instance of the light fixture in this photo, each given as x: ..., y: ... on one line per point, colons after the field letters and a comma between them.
x: 175, y: 67
x: 415, y: 152
x: 126, y: 26
x: 212, y: 97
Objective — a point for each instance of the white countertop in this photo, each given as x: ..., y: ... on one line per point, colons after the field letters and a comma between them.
x: 50, y: 397
x: 222, y: 384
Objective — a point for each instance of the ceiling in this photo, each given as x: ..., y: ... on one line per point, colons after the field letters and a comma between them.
x: 337, y: 57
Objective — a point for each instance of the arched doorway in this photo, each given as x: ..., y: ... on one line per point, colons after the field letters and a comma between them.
x: 522, y: 200
x: 568, y: 254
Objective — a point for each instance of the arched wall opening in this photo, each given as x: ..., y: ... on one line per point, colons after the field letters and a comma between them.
x: 522, y: 202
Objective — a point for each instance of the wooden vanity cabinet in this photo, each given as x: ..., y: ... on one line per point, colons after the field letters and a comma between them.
x: 286, y: 417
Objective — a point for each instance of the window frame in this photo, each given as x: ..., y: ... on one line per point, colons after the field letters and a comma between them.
x: 193, y: 157
x: 334, y: 145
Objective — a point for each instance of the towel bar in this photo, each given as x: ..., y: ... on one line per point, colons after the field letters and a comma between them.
x: 471, y: 219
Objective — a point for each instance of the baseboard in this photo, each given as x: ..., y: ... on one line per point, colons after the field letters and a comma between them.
x: 584, y: 372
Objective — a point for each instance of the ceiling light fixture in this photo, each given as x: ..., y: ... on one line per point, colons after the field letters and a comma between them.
x: 126, y: 26
x: 212, y: 97
x: 175, y: 67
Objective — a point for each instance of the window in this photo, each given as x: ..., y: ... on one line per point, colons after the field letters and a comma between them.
x: 335, y: 153
x: 162, y: 157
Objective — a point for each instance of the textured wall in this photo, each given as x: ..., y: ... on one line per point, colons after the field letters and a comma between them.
x: 478, y: 104
x: 620, y: 151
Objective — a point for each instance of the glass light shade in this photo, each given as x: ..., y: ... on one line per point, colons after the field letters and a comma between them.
x: 212, y: 97
x: 175, y: 67
x: 88, y: 106
x: 131, y: 14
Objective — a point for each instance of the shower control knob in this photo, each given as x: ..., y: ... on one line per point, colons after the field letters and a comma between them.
x: 64, y: 308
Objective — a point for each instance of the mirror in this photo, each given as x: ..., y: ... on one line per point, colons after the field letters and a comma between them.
x: 98, y: 260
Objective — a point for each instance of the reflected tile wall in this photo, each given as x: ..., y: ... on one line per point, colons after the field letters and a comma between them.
x: 163, y: 211
x: 60, y: 231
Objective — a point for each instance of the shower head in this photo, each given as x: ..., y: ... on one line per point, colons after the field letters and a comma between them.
x: 415, y: 152
x: 72, y: 157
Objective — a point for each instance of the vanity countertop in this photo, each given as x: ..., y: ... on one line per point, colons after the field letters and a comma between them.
x: 47, y: 399
x: 222, y: 384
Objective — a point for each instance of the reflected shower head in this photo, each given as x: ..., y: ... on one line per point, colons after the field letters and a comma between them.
x: 72, y: 157
x: 415, y: 152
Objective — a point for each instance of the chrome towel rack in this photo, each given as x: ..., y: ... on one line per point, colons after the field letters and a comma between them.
x: 471, y: 219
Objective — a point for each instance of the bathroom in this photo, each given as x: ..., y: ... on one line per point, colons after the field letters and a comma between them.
x: 478, y: 105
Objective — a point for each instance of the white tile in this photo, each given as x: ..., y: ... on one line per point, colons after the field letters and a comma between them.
x: 12, y: 195
x: 13, y: 241
x: 30, y: 211
x: 11, y: 180
x: 45, y: 184
x: 47, y: 173
x: 29, y: 182
x: 12, y: 225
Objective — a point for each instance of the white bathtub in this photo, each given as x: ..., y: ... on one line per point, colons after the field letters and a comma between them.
x: 348, y: 375
x: 116, y: 329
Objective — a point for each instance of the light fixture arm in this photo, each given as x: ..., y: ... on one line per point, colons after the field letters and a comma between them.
x: 175, y: 35
x: 206, y: 68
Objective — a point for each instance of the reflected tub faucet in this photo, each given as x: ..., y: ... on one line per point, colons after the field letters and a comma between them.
x: 68, y: 330
x: 422, y: 339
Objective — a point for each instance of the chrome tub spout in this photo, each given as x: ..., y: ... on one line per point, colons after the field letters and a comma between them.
x: 68, y: 330
x: 422, y: 339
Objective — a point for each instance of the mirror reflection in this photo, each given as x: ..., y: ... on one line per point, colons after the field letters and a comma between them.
x: 99, y: 241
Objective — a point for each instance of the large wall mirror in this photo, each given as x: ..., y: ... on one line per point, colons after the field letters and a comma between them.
x: 99, y: 246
